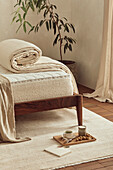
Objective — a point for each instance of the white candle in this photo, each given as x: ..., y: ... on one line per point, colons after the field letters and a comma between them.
x: 82, y: 130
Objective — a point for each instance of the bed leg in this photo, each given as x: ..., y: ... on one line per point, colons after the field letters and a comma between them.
x: 79, y: 109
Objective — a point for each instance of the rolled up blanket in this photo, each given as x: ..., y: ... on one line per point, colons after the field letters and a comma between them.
x: 18, y: 55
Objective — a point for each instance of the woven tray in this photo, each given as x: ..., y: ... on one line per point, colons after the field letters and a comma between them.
x: 74, y: 141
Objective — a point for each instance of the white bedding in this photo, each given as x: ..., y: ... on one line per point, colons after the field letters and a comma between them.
x: 31, y: 86
x: 18, y: 55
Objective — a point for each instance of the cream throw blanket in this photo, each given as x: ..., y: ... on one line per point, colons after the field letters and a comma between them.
x: 7, y: 117
x: 18, y: 54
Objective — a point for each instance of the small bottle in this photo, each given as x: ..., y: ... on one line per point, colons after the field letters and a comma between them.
x: 82, y: 130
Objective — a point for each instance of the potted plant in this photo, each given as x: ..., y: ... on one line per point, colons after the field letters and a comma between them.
x: 51, y: 19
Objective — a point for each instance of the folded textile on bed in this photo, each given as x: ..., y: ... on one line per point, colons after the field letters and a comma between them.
x: 47, y: 64
x: 19, y: 55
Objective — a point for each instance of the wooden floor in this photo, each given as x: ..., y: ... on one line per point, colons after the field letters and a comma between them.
x: 105, y: 110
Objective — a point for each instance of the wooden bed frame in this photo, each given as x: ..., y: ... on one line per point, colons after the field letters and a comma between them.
x: 50, y: 104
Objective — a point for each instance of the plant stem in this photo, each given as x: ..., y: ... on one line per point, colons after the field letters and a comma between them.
x: 52, y: 14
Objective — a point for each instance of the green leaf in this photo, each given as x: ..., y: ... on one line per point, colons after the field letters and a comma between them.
x: 17, y: 20
x: 32, y: 6
x: 13, y: 18
x: 41, y: 22
x: 31, y: 29
x: 19, y: 16
x: 65, y: 47
x: 29, y: 24
x: 56, y: 15
x: 55, y: 41
x: 54, y: 28
x: 34, y: 1
x: 50, y: 23
x: 73, y: 40
x: 24, y: 16
x: 24, y: 9
x: 18, y: 28
x: 70, y: 40
x: 38, y: 3
x: 17, y: 10
x: 45, y: 13
x: 47, y: 25
x: 65, y: 37
x: 50, y: 15
x: 41, y: 8
x: 55, y: 6
x: 23, y: 4
x: 26, y: 1
x: 61, y: 22
x: 36, y: 28
x: 66, y: 28
x: 72, y: 28
x: 24, y: 26
x: 16, y: 5
x: 20, y: 2
x: 65, y: 18
x: 70, y: 47
x: 60, y: 27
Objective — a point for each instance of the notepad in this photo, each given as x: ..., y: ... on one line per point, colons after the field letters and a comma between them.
x: 54, y: 149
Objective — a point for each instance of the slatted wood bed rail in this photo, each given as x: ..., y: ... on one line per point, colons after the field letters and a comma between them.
x: 50, y: 104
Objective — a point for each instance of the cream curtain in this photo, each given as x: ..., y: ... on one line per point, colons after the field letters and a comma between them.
x: 104, y: 87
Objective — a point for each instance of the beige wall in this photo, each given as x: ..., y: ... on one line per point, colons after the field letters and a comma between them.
x: 86, y: 15
x: 88, y: 18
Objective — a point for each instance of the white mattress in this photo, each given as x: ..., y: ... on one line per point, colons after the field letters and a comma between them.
x: 37, y: 86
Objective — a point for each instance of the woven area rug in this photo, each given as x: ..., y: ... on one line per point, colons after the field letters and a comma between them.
x: 41, y: 127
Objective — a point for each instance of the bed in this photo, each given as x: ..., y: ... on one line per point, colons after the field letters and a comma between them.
x: 58, y: 93
x: 31, y: 82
